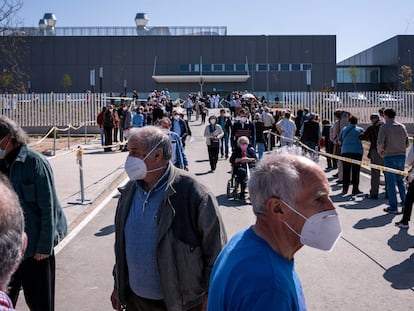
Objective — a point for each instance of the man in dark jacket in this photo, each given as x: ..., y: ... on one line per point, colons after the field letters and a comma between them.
x: 168, y: 231
x: 371, y: 135
x: 108, y: 126
x: 32, y: 178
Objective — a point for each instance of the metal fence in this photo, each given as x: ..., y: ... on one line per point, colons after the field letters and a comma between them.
x: 78, y: 109
x: 361, y: 104
x: 52, y: 109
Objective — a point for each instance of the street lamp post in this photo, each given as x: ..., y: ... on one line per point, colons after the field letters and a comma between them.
x: 100, y: 79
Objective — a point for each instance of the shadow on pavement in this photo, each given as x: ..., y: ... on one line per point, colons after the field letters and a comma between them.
x: 202, y: 173
x: 401, y: 242
x: 106, y: 231
x: 379, y: 221
x: 223, y: 200
x: 201, y: 161
x: 401, y: 276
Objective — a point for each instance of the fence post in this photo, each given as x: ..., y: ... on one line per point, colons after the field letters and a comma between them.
x: 54, y: 141
x: 69, y: 126
x: 86, y: 130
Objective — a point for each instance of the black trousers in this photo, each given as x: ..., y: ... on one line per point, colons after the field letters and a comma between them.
x: 108, y: 138
x: 115, y: 134
x: 213, y: 156
x: 355, y: 168
x: 408, y: 206
x: 38, y: 281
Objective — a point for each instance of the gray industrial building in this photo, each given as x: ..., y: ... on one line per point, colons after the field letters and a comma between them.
x: 377, y: 68
x: 182, y: 59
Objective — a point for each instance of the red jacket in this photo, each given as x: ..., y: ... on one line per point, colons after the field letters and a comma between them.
x: 100, y: 119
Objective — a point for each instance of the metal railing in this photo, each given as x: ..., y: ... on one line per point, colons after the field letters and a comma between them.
x: 78, y: 109
x: 360, y: 104
x: 118, y: 31
x: 52, y: 109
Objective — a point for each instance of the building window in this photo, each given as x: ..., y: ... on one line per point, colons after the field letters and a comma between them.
x: 274, y: 67
x: 217, y: 67
x: 194, y: 67
x: 284, y: 67
x: 206, y: 67
x: 184, y: 68
x: 261, y: 67
x: 296, y: 67
x: 360, y: 74
x: 306, y: 67
x: 229, y: 67
x: 240, y: 67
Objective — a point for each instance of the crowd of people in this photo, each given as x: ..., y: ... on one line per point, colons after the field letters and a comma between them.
x: 182, y: 260
x: 265, y: 128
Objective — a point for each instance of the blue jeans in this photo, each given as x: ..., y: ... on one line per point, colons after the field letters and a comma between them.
x: 396, y: 162
x: 224, y: 146
x: 101, y: 131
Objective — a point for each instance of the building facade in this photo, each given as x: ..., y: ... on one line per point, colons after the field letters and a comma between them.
x: 377, y: 68
x: 264, y: 65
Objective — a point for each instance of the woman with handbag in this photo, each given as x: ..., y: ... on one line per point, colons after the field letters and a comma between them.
x: 213, y: 132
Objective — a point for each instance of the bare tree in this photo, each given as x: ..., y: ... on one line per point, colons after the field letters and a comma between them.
x: 8, y: 13
x: 12, y: 76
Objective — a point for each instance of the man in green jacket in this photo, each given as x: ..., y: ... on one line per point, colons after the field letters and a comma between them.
x: 45, y: 223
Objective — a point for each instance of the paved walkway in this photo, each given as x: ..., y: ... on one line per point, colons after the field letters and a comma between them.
x: 371, y: 267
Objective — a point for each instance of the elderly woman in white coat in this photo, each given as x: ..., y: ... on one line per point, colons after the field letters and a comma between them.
x: 213, y: 132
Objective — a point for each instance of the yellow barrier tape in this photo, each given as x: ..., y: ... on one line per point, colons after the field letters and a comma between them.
x: 43, y: 138
x: 353, y: 161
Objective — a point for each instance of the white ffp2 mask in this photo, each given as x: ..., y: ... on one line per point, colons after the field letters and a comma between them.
x: 321, y: 230
x: 136, y: 168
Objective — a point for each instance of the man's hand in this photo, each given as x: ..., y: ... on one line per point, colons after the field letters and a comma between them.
x: 116, y: 305
x: 186, y: 168
x: 40, y: 257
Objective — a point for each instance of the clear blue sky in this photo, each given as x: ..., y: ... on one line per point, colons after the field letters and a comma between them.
x: 357, y: 24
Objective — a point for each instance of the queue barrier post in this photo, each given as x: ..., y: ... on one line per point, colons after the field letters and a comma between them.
x: 82, y: 200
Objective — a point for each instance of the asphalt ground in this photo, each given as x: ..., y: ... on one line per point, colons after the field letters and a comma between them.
x: 371, y: 267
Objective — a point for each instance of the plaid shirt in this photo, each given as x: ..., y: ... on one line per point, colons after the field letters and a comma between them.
x: 5, y: 303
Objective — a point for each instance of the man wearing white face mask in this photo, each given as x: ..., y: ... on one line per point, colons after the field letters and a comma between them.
x: 257, y: 263
x: 168, y: 231
x: 179, y: 125
x: 213, y: 133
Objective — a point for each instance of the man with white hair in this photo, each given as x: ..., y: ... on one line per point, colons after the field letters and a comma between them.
x: 168, y: 231
x: 12, y: 239
x: 255, y: 270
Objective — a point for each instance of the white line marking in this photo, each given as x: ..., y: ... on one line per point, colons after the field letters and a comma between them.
x: 86, y: 220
